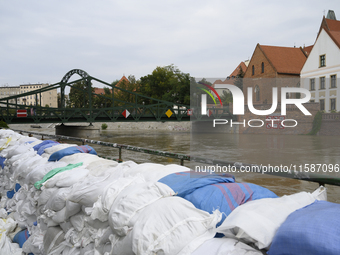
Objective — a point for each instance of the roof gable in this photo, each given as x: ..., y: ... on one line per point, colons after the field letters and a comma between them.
x: 286, y: 60
x: 238, y: 68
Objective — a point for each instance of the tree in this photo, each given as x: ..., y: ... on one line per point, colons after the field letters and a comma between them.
x: 226, y: 98
x: 166, y: 83
x: 79, y: 97
x: 104, y: 100
x: 122, y: 96
x: 239, y: 79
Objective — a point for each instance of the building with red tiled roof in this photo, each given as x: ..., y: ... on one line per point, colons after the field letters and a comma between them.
x: 100, y: 91
x: 320, y: 74
x: 272, y: 62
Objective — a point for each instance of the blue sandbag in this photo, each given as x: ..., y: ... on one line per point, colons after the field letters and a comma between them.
x: 42, y: 148
x: 38, y: 146
x: 314, y: 229
x: 11, y: 193
x: 21, y: 237
x: 2, y: 162
x: 184, y: 183
x: 70, y: 151
x: 227, y: 196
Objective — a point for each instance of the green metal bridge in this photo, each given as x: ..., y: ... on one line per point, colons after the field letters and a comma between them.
x: 111, y: 109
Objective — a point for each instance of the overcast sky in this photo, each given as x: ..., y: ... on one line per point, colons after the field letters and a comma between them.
x: 42, y: 40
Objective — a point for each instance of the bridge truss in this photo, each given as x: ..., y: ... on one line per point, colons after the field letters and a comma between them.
x: 111, y: 110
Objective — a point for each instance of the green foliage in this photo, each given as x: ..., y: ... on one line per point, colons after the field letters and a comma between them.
x: 104, y: 126
x: 104, y: 100
x: 79, y: 96
x: 226, y: 98
x: 316, y: 123
x: 166, y: 83
x: 239, y: 79
x: 122, y: 96
x: 3, y: 124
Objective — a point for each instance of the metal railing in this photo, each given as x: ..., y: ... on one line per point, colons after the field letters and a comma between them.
x: 312, y: 177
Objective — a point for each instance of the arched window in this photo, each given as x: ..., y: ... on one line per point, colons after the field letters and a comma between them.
x: 262, y: 67
x: 257, y: 93
x: 252, y: 70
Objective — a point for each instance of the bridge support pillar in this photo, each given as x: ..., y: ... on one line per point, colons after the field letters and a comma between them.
x: 77, y: 131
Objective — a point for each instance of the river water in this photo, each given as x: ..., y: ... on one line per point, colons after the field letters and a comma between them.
x: 274, y: 150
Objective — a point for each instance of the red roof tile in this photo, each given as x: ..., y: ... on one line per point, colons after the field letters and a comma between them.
x: 236, y: 71
x: 286, y: 60
x: 308, y: 49
x: 333, y: 25
x: 335, y: 35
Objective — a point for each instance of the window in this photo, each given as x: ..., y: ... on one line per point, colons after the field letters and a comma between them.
x: 322, y: 60
x: 252, y: 70
x: 333, y: 81
x: 333, y: 104
x: 262, y: 67
x: 322, y: 82
x: 257, y: 93
x: 312, y: 84
x: 322, y: 104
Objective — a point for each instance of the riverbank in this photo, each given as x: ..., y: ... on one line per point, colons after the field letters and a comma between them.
x: 111, y: 126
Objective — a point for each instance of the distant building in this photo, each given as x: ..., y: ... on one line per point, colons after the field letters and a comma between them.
x: 320, y: 74
x: 47, y: 98
x: 100, y: 91
x: 273, y: 62
x: 218, y: 84
x: 10, y: 91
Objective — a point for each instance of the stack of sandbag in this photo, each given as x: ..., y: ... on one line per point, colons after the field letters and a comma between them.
x: 257, y: 222
x: 64, y: 199
x: 70, y: 201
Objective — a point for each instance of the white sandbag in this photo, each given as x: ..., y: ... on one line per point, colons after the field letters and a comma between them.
x: 53, y: 237
x: 35, y: 243
x: 15, y: 160
x: 27, y: 139
x: 257, y: 221
x: 116, y: 172
x: 45, y: 195
x: 86, y: 158
x: 39, y: 172
x: 131, y: 201
x: 172, y: 225
x: 69, y: 210
x: 67, y: 178
x: 104, y: 202
x: 87, y: 191
x: 153, y: 172
x: 101, y: 164
x: 225, y: 246
x: 15, y: 150
x: 78, y: 221
x: 58, y: 199
x: 9, y: 248
x: 24, y: 167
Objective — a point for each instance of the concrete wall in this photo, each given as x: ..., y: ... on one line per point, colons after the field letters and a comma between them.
x: 330, y: 124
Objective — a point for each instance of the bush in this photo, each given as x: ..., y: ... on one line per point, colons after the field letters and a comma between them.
x: 104, y: 126
x: 316, y: 123
x: 3, y: 124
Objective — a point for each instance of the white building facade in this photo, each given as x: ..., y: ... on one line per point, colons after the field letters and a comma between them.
x: 321, y: 71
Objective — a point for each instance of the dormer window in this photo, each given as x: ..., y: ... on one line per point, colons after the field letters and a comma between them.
x: 322, y: 60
